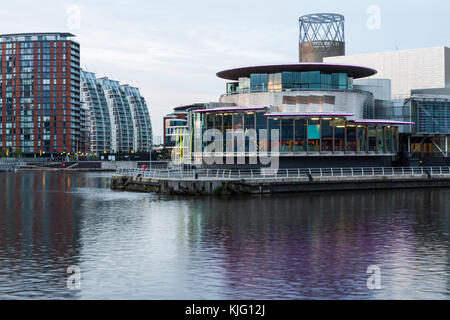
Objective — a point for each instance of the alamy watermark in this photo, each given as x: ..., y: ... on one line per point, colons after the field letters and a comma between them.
x: 232, y: 147
x: 374, y: 281
x: 73, y: 17
x: 74, y: 280
x: 374, y: 19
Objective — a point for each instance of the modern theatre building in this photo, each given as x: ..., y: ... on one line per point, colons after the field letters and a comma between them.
x: 321, y: 119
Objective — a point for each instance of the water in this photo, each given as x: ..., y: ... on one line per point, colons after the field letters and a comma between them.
x: 147, y: 246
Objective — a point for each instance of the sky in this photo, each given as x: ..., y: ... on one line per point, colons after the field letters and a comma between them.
x: 172, y: 50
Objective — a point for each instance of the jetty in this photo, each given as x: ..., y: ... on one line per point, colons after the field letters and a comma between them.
x: 268, y: 181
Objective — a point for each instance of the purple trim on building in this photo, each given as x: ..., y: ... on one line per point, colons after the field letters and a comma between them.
x: 385, y: 122
x: 229, y: 109
x: 280, y: 115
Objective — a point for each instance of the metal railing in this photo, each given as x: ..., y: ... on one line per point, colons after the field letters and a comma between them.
x: 11, y: 163
x: 265, y: 173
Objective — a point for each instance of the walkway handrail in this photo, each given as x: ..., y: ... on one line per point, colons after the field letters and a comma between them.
x: 267, y: 173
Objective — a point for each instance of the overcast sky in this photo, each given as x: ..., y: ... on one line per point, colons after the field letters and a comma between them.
x: 172, y: 50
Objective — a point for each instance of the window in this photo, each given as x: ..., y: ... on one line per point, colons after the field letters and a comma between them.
x: 389, y: 139
x: 327, y: 135
x: 380, y: 138
x: 261, y: 125
x: 372, y: 138
x: 287, y: 135
x: 351, y: 138
x: 274, y: 136
x: 339, y: 135
x: 300, y: 135
x: 313, y: 135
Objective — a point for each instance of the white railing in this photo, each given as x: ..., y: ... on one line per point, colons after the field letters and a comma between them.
x: 264, y: 173
x: 11, y: 163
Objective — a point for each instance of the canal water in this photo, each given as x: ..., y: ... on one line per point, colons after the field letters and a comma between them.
x: 148, y: 246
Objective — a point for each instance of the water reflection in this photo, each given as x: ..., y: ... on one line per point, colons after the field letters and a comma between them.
x: 145, y: 246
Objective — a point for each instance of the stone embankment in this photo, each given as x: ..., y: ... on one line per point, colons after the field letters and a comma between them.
x: 217, y: 186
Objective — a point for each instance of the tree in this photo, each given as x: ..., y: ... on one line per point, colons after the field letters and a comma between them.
x: 18, y: 153
x: 163, y: 154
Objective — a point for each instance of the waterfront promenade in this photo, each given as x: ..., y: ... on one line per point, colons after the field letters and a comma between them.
x: 266, y: 181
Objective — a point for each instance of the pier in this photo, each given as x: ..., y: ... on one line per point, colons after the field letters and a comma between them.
x: 268, y: 181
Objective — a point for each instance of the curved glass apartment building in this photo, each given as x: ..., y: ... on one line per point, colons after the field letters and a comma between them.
x: 120, y: 120
x: 142, y: 126
x: 93, y: 97
x: 321, y: 119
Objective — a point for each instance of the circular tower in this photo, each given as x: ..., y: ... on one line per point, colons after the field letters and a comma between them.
x: 321, y: 35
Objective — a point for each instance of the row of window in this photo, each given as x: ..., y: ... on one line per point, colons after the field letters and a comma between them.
x: 291, y: 81
x: 306, y: 134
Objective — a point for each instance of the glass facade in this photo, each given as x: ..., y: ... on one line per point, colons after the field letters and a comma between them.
x: 300, y: 135
x: 93, y: 97
x: 431, y: 116
x: 130, y: 125
x: 288, y: 81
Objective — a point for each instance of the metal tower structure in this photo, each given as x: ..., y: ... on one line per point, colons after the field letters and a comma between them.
x: 321, y: 35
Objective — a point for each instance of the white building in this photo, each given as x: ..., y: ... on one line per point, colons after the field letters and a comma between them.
x: 425, y: 68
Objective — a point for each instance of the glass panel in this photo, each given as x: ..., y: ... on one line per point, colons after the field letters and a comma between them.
x: 238, y: 123
x: 343, y: 81
x: 351, y: 138
x: 315, y: 79
x: 227, y: 122
x: 305, y: 79
x: 287, y: 80
x: 210, y: 121
x: 389, y: 139
x: 372, y: 136
x: 270, y: 82
x: 261, y: 124
x: 380, y: 139
x: 327, y: 136
x: 362, y: 144
x: 300, y: 135
x: 274, y: 124
x: 313, y: 135
x: 264, y: 82
x: 277, y: 86
x: 255, y: 82
x: 335, y: 80
x: 249, y: 124
x: 244, y: 85
x: 325, y: 80
x: 218, y: 122
x: 287, y: 135
x: 395, y: 139
x: 350, y: 83
x: 227, y: 125
x: 339, y: 134
x: 249, y: 120
x: 297, y: 79
x: 258, y: 82
x: 232, y: 87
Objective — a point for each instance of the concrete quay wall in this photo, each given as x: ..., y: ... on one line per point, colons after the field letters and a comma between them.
x: 275, y: 185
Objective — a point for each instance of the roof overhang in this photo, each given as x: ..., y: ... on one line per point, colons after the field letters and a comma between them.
x: 385, y: 122
x: 356, y: 72
x: 252, y: 109
x: 310, y: 114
